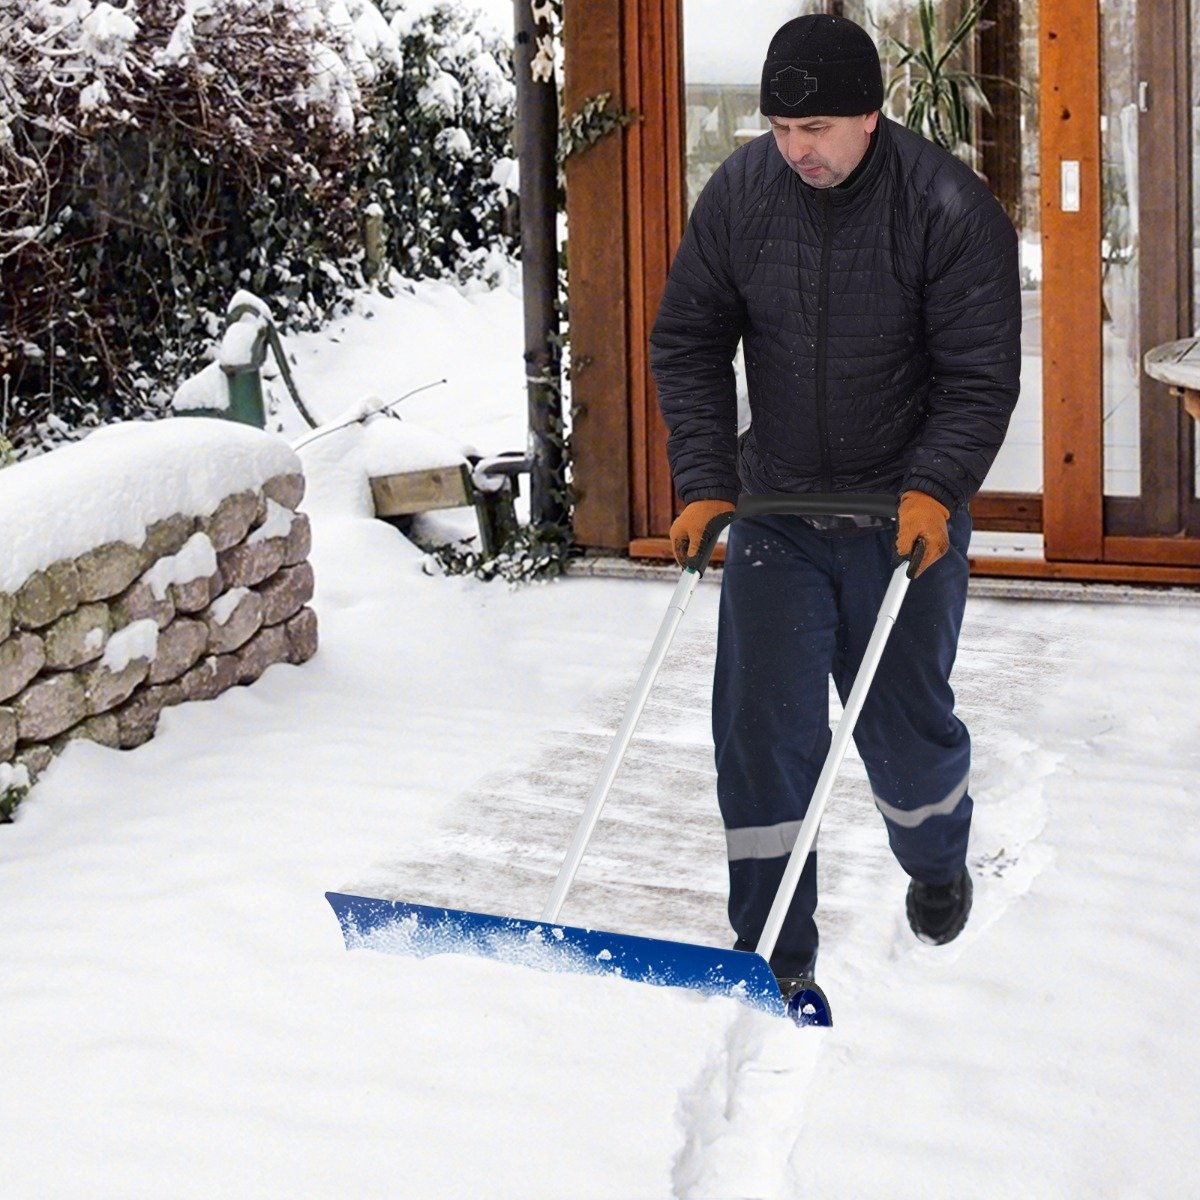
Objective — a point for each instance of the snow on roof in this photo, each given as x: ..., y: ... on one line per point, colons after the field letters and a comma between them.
x: 122, y: 478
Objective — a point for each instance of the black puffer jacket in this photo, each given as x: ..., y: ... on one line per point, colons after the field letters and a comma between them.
x: 881, y: 324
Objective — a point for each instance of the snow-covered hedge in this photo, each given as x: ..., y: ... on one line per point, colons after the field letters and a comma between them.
x: 157, y: 156
x: 149, y: 564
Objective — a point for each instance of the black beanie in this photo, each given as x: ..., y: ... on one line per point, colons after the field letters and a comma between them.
x: 821, y: 66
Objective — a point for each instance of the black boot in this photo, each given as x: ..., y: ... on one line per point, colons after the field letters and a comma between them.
x: 938, y: 912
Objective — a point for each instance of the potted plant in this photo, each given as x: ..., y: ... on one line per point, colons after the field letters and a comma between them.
x: 941, y: 93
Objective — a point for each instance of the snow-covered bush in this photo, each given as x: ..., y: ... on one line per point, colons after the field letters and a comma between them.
x: 442, y: 142
x: 156, y: 157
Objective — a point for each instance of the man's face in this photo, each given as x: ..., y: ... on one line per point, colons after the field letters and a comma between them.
x: 823, y: 150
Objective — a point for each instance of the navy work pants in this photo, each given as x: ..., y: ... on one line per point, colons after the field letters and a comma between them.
x: 797, y: 606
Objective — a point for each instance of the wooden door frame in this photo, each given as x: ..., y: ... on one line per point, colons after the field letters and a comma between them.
x: 625, y: 199
x: 1072, y: 351
x: 625, y: 217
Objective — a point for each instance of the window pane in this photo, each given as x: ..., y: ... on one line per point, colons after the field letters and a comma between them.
x: 1010, y: 162
x: 1118, y: 248
x: 723, y: 51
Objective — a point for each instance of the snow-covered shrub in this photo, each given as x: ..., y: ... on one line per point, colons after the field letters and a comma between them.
x: 442, y: 140
x: 156, y: 157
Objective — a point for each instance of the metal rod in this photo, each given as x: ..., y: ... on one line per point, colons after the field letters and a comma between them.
x: 807, y: 835
x: 587, y: 823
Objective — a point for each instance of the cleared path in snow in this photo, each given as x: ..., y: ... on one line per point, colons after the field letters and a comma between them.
x: 656, y: 866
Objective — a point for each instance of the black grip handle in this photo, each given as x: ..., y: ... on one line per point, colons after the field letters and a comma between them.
x: 836, y: 504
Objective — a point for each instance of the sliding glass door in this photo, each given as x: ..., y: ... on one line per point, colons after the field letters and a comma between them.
x: 1148, y: 84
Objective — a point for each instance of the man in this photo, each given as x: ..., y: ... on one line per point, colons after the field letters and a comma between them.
x: 872, y: 280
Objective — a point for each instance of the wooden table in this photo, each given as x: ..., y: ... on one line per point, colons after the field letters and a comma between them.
x: 1178, y: 363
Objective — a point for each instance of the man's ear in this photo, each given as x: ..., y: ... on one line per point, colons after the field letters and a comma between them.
x: 872, y: 121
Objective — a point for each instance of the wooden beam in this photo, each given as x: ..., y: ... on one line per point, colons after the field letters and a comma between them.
x: 1097, y: 572
x: 598, y: 281
x: 1174, y: 551
x: 1164, y: 240
x: 662, y: 489
x: 654, y: 212
x: 654, y: 215
x: 635, y: 250
x: 1071, y: 333
x: 1007, y: 512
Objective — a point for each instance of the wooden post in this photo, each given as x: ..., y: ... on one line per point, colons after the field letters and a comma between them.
x: 598, y: 266
x: 1073, y: 435
x: 373, y: 240
x: 536, y: 134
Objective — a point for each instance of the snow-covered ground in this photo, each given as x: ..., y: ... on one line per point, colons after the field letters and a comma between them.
x: 178, y: 1016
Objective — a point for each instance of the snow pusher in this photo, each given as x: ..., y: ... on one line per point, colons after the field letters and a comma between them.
x: 418, y: 930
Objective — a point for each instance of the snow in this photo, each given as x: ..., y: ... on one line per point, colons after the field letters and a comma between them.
x: 494, y: 16
x: 139, y: 639
x: 181, y: 1018
x: 386, y: 348
x: 196, y: 559
x: 107, y: 32
x: 454, y: 142
x: 225, y: 605
x: 121, y: 478
x: 238, y: 342
x: 246, y: 299
x: 505, y: 172
x: 277, y: 524
x: 442, y: 95
x: 207, y: 390
x: 13, y: 776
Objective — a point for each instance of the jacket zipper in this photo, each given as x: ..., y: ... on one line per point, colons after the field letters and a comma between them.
x: 822, y: 336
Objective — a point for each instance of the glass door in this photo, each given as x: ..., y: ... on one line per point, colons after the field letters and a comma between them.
x: 1007, y: 57
x: 1148, y: 82
x: 722, y: 66
x: 722, y: 72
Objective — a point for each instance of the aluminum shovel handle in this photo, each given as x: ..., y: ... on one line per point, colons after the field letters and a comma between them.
x: 845, y: 503
x: 823, y: 504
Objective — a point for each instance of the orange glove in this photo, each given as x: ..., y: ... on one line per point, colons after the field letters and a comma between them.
x: 922, y: 518
x: 689, y: 526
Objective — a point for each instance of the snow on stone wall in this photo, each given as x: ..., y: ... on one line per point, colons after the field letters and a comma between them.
x: 169, y: 563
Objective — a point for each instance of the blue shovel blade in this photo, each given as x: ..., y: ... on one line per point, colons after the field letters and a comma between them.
x: 417, y: 931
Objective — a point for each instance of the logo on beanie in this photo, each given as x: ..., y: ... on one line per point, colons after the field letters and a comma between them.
x: 792, y: 86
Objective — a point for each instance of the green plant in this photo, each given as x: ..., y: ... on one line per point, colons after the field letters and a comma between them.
x: 533, y: 553
x: 441, y: 123
x: 596, y: 119
x: 13, y: 789
x: 941, y: 95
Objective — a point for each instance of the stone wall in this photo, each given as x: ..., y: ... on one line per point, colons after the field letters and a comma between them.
x: 98, y: 645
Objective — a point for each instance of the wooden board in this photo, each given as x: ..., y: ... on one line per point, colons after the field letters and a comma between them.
x: 421, y: 491
x: 654, y: 171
